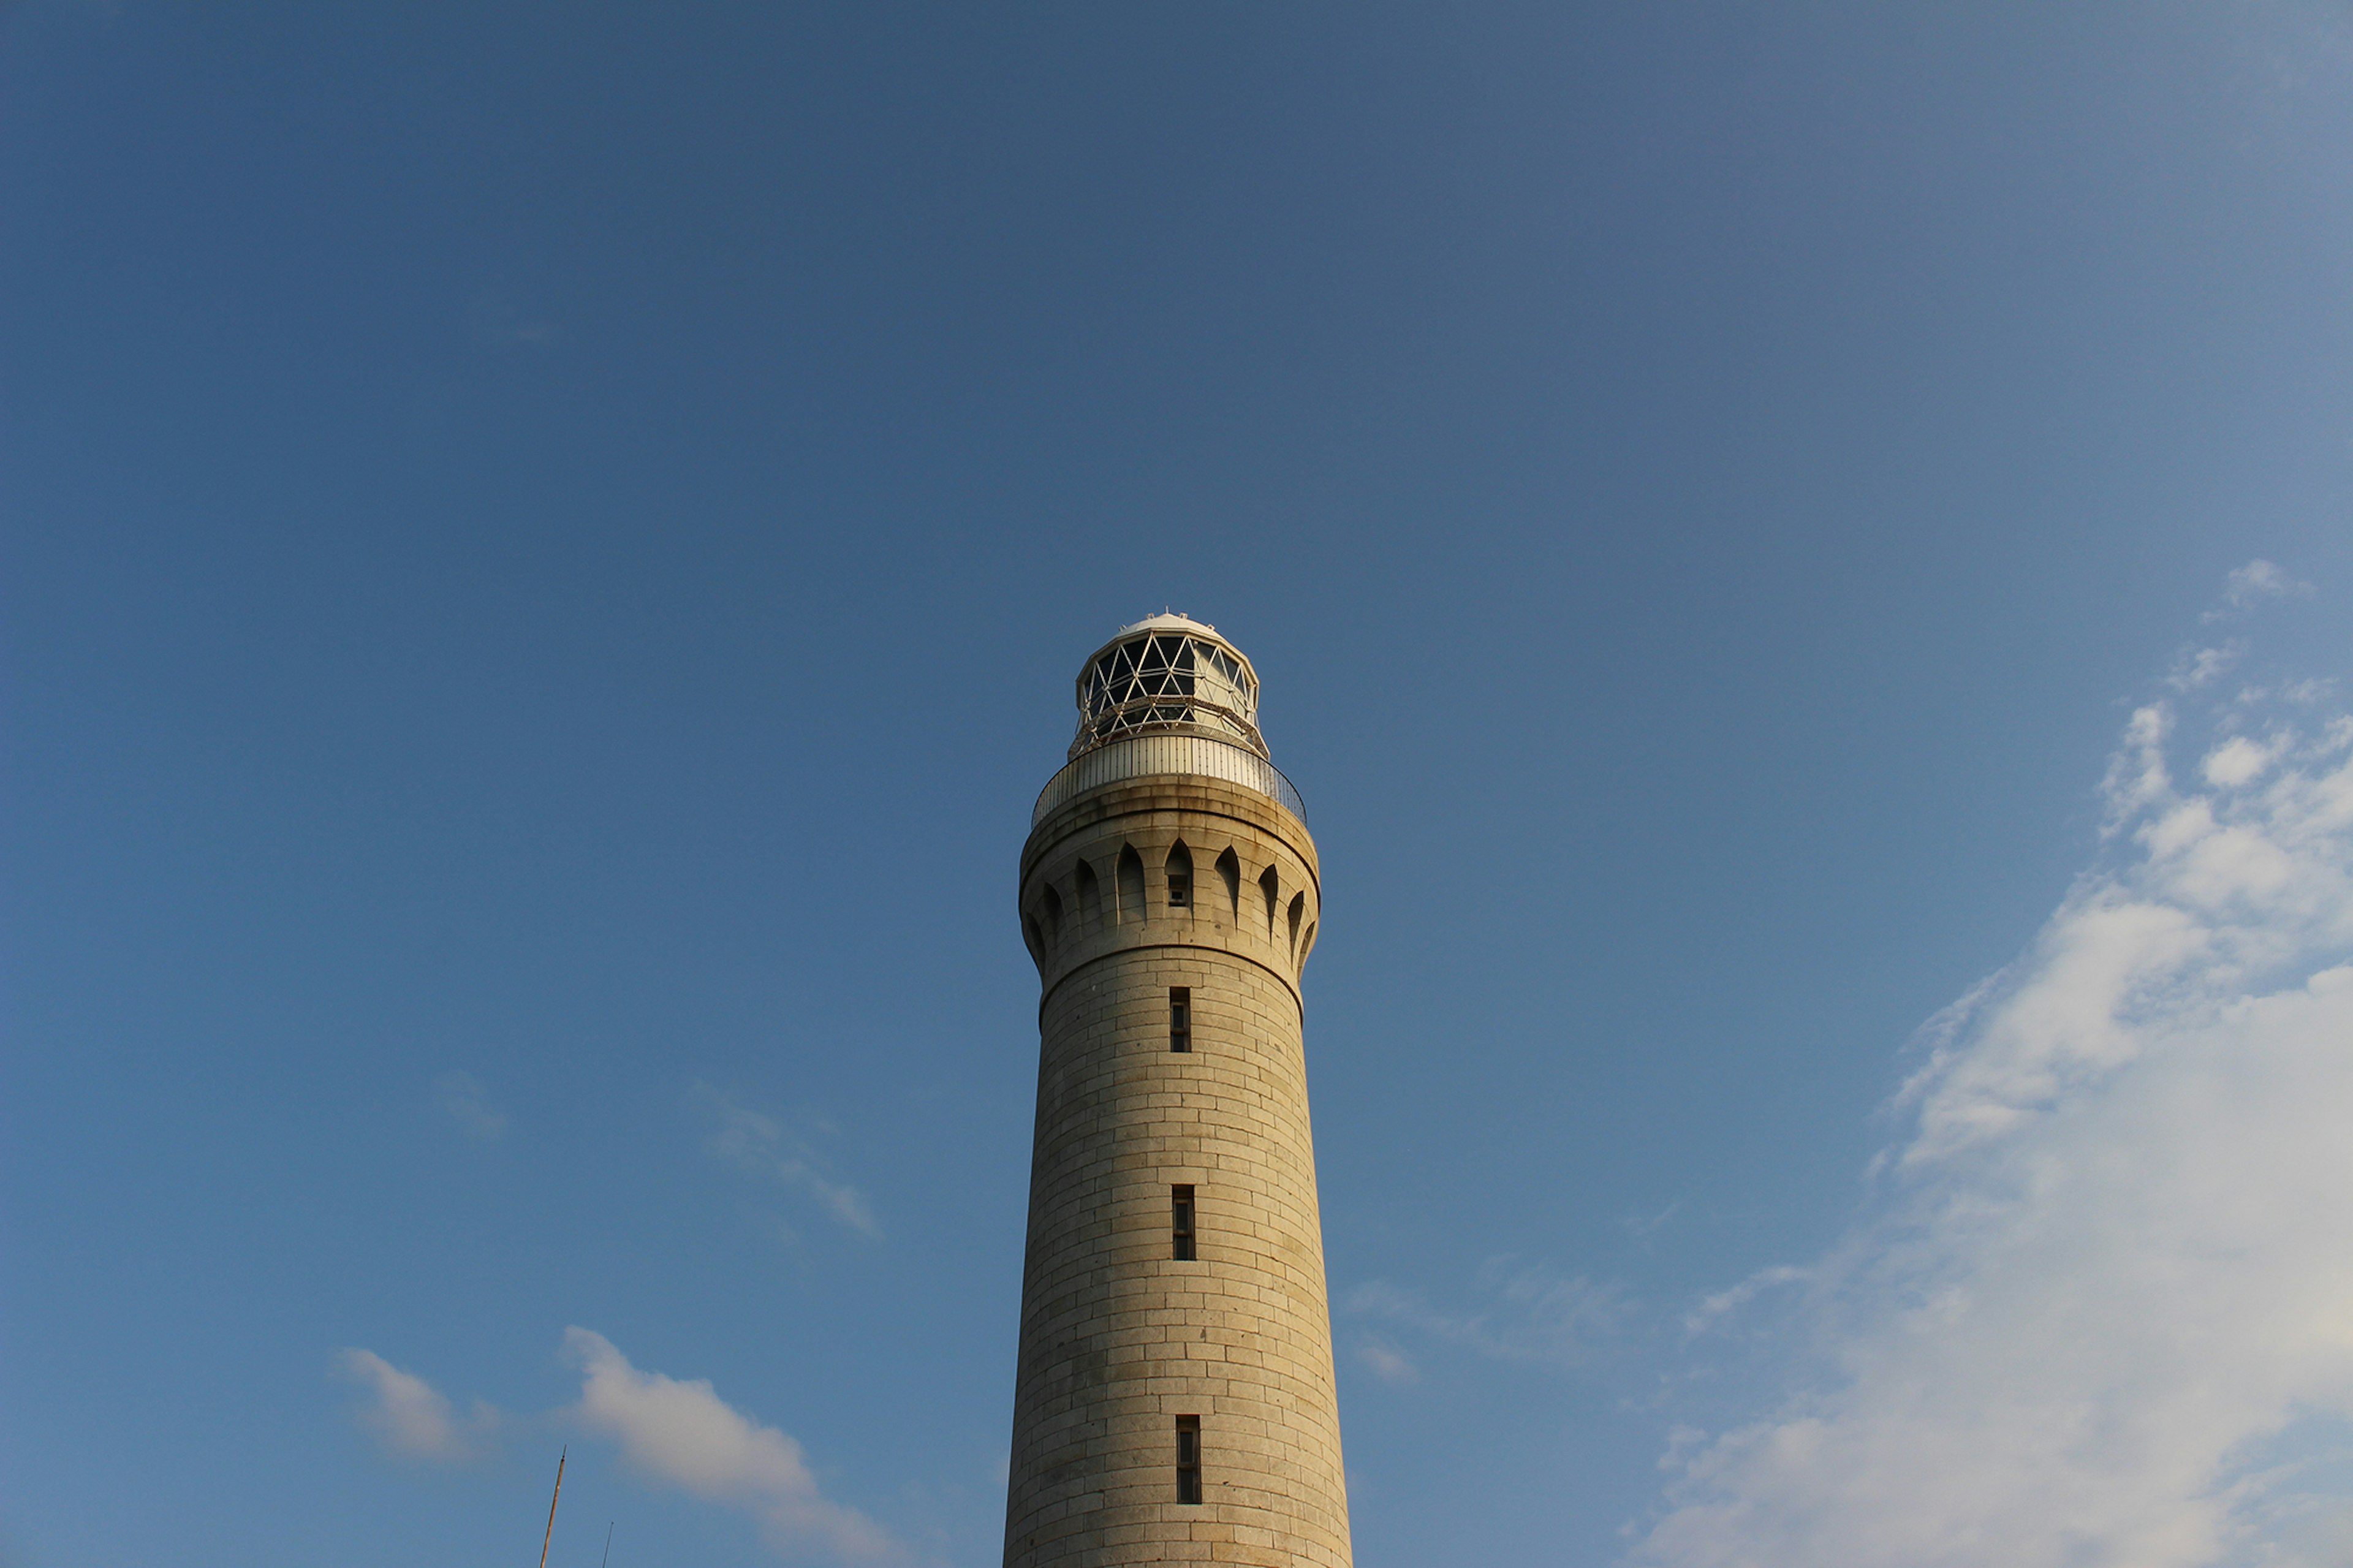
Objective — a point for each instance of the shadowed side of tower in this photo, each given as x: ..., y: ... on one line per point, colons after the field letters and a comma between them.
x: 1174, y: 1400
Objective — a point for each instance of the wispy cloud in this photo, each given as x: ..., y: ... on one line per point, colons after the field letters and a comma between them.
x: 2198, y: 668
x: 409, y: 1416
x: 1385, y: 1361
x: 2101, y: 1310
x: 1712, y: 1307
x: 2253, y: 584
x: 677, y: 1431
x: 1523, y: 1312
x: 681, y: 1432
x: 1639, y: 1225
x: 759, y: 1145
x: 468, y: 1105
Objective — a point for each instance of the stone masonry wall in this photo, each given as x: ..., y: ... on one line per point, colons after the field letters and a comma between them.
x: 1118, y: 1337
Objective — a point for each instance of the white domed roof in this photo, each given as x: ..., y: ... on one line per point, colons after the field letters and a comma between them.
x: 1171, y: 621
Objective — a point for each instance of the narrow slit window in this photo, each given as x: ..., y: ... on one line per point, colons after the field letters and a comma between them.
x: 1189, y: 1458
x: 1180, y: 1018
x: 1180, y: 1223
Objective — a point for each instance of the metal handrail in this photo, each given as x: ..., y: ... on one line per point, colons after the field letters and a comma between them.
x: 1138, y: 756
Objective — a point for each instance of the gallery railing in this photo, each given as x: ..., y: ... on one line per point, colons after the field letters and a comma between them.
x: 1139, y: 755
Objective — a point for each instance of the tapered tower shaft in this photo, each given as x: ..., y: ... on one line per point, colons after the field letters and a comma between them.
x: 1175, y: 1398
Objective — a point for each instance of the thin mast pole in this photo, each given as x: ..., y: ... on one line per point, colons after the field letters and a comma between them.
x: 551, y: 1506
x: 609, y: 1543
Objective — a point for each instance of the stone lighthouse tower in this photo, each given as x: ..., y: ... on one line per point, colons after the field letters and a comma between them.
x: 1175, y: 1397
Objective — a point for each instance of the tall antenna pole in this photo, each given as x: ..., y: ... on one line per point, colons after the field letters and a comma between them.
x: 551, y: 1509
x: 608, y: 1543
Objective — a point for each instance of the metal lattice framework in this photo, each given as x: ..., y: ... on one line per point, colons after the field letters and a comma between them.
x: 1169, y: 673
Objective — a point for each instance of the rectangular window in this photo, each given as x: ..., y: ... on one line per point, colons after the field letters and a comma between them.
x: 1180, y: 1018
x: 1181, y: 889
x: 1189, y: 1458
x: 1180, y: 1223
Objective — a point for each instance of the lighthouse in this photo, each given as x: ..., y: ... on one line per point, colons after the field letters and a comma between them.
x: 1174, y: 1401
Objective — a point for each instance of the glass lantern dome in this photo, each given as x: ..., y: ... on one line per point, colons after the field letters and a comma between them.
x: 1167, y: 695
x: 1168, y: 674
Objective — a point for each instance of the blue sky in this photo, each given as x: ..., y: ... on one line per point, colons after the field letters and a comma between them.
x: 1798, y: 556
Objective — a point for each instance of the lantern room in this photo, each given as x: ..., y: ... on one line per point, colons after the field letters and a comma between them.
x: 1168, y: 674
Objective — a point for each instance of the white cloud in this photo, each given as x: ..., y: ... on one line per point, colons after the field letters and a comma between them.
x: 2136, y: 770
x: 1712, y: 1307
x: 468, y: 1105
x: 2099, y: 1312
x: 2198, y: 668
x: 409, y: 1415
x: 681, y: 1432
x: 2259, y: 580
x: 2235, y: 762
x: 1525, y: 1313
x: 674, y: 1430
x: 1386, y: 1362
x: 759, y: 1145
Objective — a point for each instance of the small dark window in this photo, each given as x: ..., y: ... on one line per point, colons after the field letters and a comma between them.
x: 1189, y: 1458
x: 1180, y: 891
x: 1180, y: 1223
x: 1180, y: 1018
